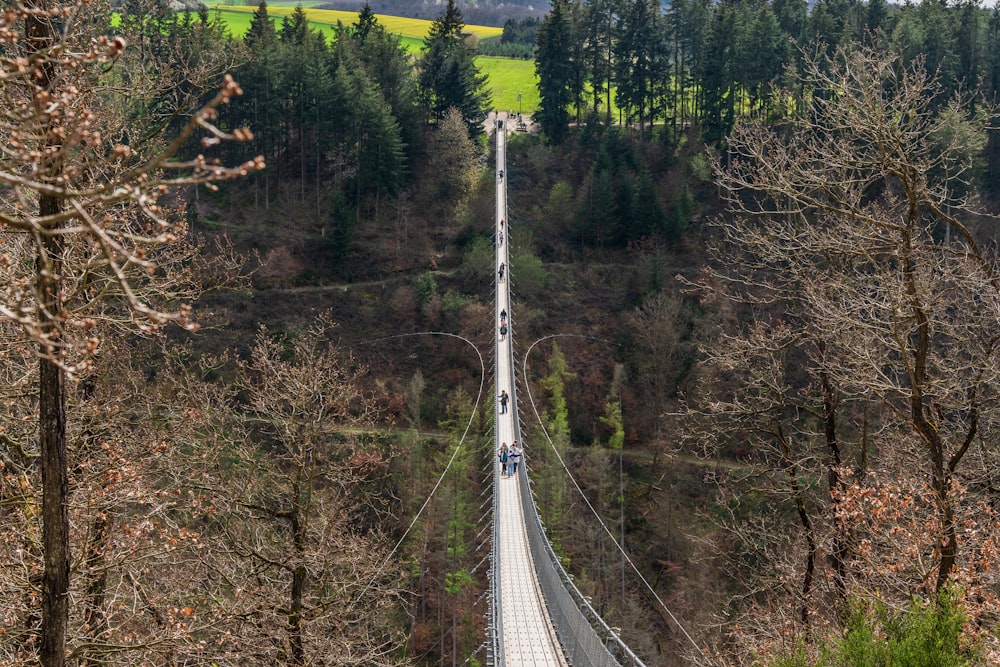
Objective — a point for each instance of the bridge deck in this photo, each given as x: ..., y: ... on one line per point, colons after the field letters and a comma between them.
x: 528, y: 636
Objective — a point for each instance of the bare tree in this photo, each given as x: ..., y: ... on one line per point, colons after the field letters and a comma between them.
x: 885, y: 328
x: 81, y: 195
x: 296, y: 541
x: 655, y: 327
x: 134, y: 524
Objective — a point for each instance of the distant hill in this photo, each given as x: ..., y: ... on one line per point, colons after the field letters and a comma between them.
x: 492, y: 14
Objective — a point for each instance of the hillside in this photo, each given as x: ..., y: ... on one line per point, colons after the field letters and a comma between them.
x: 425, y: 276
x: 754, y: 321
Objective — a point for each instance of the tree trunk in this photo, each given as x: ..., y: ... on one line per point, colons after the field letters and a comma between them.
x: 51, y: 379
x: 297, y: 650
x: 299, y: 520
x: 52, y: 446
x: 840, y: 550
x: 55, y: 517
x: 807, y: 528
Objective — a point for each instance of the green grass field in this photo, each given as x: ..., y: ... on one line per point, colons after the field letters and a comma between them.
x: 508, y: 77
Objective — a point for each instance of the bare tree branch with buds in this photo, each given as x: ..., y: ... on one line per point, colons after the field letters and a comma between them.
x: 82, y: 225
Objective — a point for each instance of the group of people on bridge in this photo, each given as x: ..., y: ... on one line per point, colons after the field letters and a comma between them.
x: 509, y: 458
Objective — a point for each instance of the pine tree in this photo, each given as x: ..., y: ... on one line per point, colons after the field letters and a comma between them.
x: 792, y: 16
x: 766, y: 55
x: 992, y: 92
x: 555, y: 73
x: 449, y: 76
x: 648, y: 218
x: 601, y: 24
x: 365, y: 24
x: 687, y: 29
x: 719, y: 74
x: 640, y: 59
x: 260, y: 109
x: 389, y: 65
x: 294, y: 27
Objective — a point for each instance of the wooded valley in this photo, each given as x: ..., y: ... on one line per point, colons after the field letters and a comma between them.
x: 754, y: 258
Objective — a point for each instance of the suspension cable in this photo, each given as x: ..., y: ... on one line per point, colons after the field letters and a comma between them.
x: 454, y: 454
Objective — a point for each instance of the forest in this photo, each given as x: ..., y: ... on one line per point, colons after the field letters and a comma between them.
x: 754, y: 263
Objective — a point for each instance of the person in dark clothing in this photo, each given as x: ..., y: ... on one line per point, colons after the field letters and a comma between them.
x: 501, y: 271
x: 503, y: 401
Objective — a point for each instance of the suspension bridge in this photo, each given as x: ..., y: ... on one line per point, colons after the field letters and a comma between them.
x: 536, y: 614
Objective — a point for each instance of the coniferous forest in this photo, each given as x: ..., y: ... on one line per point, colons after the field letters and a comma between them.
x: 754, y: 264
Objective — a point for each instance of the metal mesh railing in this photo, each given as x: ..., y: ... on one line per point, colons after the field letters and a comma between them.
x: 586, y: 639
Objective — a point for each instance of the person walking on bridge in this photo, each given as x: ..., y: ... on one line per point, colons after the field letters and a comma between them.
x: 513, y: 458
x: 501, y: 271
x: 503, y: 401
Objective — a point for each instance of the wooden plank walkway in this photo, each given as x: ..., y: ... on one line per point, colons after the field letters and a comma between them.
x: 528, y: 636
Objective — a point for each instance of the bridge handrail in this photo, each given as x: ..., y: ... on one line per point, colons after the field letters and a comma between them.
x: 586, y: 638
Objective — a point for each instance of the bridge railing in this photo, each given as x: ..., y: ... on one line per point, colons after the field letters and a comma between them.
x: 586, y: 639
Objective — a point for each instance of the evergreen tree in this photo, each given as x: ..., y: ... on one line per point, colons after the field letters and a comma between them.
x: 577, y: 14
x: 294, y: 27
x: 304, y: 88
x: 719, y: 74
x: 555, y: 73
x: 648, y: 217
x: 877, y: 16
x: 680, y: 216
x: 828, y: 24
x: 687, y: 28
x: 601, y: 20
x: 939, y: 47
x: 641, y: 59
x: 766, y: 55
x: 380, y: 147
x: 792, y: 16
x: 389, y: 66
x: 449, y: 77
x: 908, y: 34
x: 365, y: 24
x: 260, y: 109
x: 992, y: 92
x: 598, y: 213
x: 968, y: 42
x: 342, y: 223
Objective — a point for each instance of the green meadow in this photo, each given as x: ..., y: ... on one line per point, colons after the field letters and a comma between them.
x: 508, y: 77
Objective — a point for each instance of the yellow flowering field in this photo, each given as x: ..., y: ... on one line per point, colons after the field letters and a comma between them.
x: 237, y: 19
